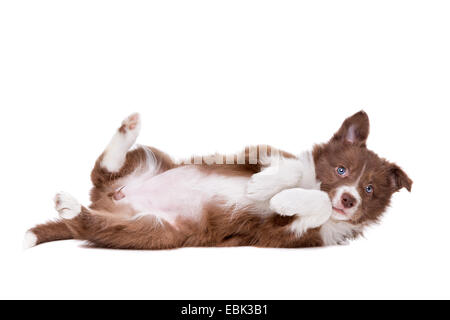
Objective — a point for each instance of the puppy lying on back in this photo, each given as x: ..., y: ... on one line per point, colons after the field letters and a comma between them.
x: 263, y: 197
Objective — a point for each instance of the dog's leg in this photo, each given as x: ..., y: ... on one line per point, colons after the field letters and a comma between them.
x: 68, y: 208
x: 105, y: 230
x: 281, y: 174
x: 312, y: 207
x: 117, y: 161
x: 115, y: 154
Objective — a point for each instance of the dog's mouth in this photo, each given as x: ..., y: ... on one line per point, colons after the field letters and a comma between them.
x: 340, y: 211
x: 339, y: 214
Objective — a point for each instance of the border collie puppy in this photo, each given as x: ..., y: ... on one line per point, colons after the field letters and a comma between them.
x: 142, y: 199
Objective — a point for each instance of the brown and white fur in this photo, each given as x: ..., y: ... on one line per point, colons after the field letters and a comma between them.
x: 142, y: 199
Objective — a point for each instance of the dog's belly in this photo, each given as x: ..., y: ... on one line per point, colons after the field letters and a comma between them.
x: 182, y: 192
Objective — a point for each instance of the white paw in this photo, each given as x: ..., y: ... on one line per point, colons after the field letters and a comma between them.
x: 304, y: 223
x: 313, y: 208
x: 285, y: 203
x: 263, y: 185
x: 29, y: 240
x: 300, y: 201
x: 131, y: 126
x: 67, y: 206
x: 115, y: 153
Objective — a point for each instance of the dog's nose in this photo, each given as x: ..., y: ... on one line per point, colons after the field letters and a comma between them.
x: 348, y: 201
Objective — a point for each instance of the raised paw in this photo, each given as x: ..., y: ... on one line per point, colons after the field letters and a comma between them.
x: 312, y: 208
x: 284, y: 204
x: 263, y: 186
x: 115, y: 153
x: 66, y: 205
x: 303, y: 202
x: 131, y: 124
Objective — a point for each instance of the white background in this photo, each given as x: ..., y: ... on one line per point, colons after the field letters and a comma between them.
x: 212, y: 76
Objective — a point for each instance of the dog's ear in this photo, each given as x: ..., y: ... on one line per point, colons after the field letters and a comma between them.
x: 399, y: 179
x: 354, y: 130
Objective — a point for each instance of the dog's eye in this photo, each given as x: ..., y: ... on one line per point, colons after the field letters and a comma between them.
x: 341, y: 171
x: 369, y: 188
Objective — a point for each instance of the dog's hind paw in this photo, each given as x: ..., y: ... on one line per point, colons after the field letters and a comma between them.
x: 67, y: 206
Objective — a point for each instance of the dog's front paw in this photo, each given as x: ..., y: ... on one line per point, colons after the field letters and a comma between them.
x: 312, y: 208
x: 285, y: 203
x: 301, y: 202
x: 262, y: 186
x: 66, y: 205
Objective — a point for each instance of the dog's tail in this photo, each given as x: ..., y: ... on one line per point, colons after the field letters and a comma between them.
x: 50, y: 231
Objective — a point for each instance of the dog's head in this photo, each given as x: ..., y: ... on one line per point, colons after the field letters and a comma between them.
x: 360, y: 184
